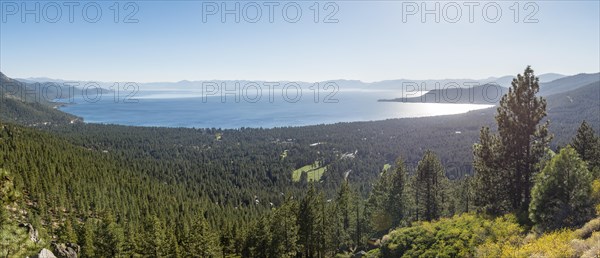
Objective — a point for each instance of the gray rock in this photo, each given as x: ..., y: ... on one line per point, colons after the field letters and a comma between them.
x: 33, y: 233
x: 68, y: 250
x: 45, y: 253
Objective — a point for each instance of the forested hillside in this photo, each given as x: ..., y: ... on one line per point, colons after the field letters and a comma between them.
x: 565, y: 110
x: 24, y: 104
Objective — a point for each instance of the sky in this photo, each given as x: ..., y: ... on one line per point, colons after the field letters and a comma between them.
x: 168, y: 41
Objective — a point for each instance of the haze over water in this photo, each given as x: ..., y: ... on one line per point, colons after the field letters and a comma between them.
x: 190, y: 109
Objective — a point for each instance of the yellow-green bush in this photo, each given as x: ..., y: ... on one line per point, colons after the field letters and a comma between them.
x: 588, y: 229
x: 596, y: 195
x: 556, y: 244
x: 458, y: 236
x: 583, y: 242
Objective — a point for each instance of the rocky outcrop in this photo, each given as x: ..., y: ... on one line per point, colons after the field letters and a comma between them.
x: 45, y: 253
x: 68, y: 250
x: 33, y: 233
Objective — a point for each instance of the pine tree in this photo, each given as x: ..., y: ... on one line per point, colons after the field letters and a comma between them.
x: 326, y: 245
x: 227, y: 238
x: 463, y: 194
x: 330, y: 225
x: 379, y: 218
x: 491, y: 178
x: 396, y: 200
x: 171, y: 246
x: 259, y: 242
x: 388, y: 204
x: 587, y: 145
x: 14, y: 240
x: 67, y: 233
x: 431, y: 187
x: 562, y: 193
x: 522, y: 143
x: 151, y: 242
x: 201, y: 241
x: 343, y: 212
x: 284, y: 229
x: 361, y: 224
x: 308, y: 219
x: 129, y: 246
x: 88, y: 238
x: 110, y: 237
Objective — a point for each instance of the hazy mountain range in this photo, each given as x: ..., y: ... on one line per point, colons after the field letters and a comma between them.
x: 428, y: 84
x: 490, y: 93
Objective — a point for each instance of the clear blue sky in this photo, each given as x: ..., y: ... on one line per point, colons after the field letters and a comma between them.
x: 370, y: 42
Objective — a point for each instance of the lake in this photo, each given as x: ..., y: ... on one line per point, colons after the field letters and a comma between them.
x: 192, y: 108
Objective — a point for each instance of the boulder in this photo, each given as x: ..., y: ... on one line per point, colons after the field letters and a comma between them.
x: 68, y: 250
x: 45, y: 253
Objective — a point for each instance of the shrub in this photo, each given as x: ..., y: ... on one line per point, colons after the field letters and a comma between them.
x: 596, y: 194
x: 458, y: 236
x: 589, y: 228
x: 561, y: 196
x: 555, y: 244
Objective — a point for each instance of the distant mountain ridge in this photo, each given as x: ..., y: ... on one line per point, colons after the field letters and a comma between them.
x: 343, y: 83
x: 483, y: 94
x: 568, y: 83
x: 492, y: 92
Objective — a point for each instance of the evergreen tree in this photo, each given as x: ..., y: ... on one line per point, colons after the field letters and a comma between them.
x: 463, y: 194
x: 396, y: 200
x: 330, y: 224
x: 284, y: 229
x: 326, y: 245
x: 388, y: 204
x: 152, y: 240
x: 88, y: 238
x: 343, y: 212
x: 201, y: 241
x: 431, y: 187
x: 587, y: 145
x: 361, y: 225
x: 259, y: 242
x: 14, y: 240
x: 171, y: 245
x: 67, y: 233
x: 379, y: 218
x: 562, y: 193
x: 308, y: 221
x: 129, y: 246
x: 110, y: 237
x: 522, y: 144
x: 491, y: 177
x: 227, y: 238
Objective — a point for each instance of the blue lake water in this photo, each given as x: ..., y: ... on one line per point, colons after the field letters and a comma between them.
x: 189, y: 109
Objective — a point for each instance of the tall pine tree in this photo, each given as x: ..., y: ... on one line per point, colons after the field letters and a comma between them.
x: 521, y: 145
x: 284, y: 229
x: 430, y: 187
x: 309, y: 218
x: 396, y: 201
